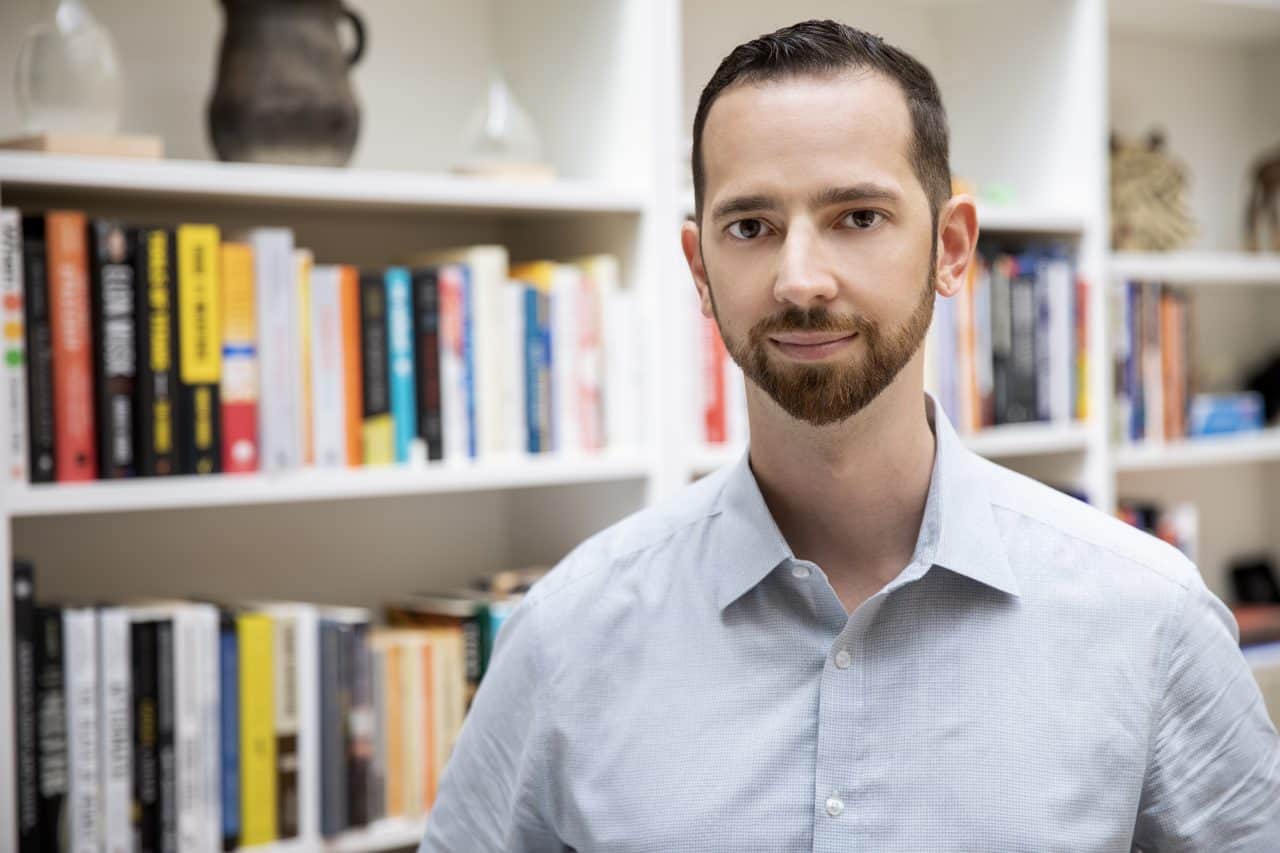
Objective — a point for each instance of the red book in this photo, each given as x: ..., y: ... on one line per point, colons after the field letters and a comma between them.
x: 714, y: 355
x: 239, y: 381
x: 75, y: 451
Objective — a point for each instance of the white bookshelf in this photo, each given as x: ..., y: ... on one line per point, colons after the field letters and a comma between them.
x: 386, y: 834
x: 1031, y: 89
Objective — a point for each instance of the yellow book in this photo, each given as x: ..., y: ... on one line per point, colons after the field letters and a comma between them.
x: 537, y: 273
x: 239, y: 386
x: 258, y: 817
x: 386, y: 643
x: 199, y: 346
x: 305, y: 261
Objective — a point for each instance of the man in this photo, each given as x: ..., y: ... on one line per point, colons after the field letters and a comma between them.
x: 862, y: 636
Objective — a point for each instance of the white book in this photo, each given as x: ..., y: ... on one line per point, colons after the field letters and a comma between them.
x: 623, y: 381
x: 326, y: 368
x: 453, y: 391
x: 13, y: 322
x: 489, y: 266
x: 566, y: 434
x: 80, y: 680
x: 115, y: 704
x: 1152, y: 366
x: 275, y: 286
x: 1061, y: 328
x: 210, y: 731
x: 516, y: 440
x: 600, y: 275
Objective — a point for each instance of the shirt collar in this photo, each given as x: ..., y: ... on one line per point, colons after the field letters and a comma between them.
x: 958, y: 531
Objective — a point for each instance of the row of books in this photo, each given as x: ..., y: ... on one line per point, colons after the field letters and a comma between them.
x: 1012, y: 347
x: 188, y: 726
x: 154, y: 350
x: 1178, y: 524
x: 1152, y: 342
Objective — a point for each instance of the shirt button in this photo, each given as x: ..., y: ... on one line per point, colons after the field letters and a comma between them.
x: 834, y: 806
x: 799, y: 571
x: 843, y: 659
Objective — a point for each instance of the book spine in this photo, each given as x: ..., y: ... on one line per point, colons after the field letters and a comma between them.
x: 115, y: 696
x: 453, y: 406
x: 75, y: 446
x: 80, y: 675
x: 1152, y: 346
x: 469, y: 362
x: 189, y: 765
x: 432, y: 694
x: 413, y: 724
x: 286, y: 724
x: 258, y: 803
x: 229, y: 727
x: 157, y: 336
x: 966, y: 371
x: 333, y: 750
x: 353, y: 380
x: 378, y: 733
x: 1001, y: 336
x: 1043, y: 342
x: 112, y: 298
x: 426, y: 313
x: 1081, y: 360
x: 238, y: 387
x: 392, y: 724
x: 13, y: 337
x: 278, y: 409
x: 39, y: 339
x: 146, y: 755
x: 1022, y: 373
x: 51, y: 729
x: 359, y: 725
x: 532, y: 360
x: 167, y: 735
x: 304, y: 262
x: 328, y: 417
x: 713, y: 412
x: 200, y: 349
x: 589, y: 364
x: 378, y: 444
x: 26, y: 745
x: 404, y: 406
x: 566, y: 436
x: 515, y: 410
x: 1058, y: 281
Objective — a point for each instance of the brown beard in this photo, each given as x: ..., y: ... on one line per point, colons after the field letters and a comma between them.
x: 822, y: 394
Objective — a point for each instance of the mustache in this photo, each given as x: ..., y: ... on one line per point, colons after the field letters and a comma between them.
x: 816, y: 319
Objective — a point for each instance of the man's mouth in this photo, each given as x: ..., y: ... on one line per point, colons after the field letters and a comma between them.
x: 810, y: 346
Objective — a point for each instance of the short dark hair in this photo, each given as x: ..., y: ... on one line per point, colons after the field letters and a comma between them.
x: 828, y: 47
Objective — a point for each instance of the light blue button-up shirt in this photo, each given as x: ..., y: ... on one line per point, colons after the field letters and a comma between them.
x: 1040, y: 677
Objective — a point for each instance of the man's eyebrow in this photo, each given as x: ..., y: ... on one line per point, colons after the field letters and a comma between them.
x: 865, y: 191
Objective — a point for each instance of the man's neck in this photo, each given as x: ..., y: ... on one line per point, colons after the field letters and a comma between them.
x: 850, y: 496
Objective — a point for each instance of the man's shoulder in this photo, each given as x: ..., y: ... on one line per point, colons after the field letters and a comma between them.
x: 629, y: 545
x: 1083, y: 539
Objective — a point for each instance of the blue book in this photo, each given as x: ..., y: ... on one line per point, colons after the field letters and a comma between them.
x: 469, y: 357
x: 404, y: 403
x: 532, y: 360
x: 229, y: 729
x: 1133, y: 368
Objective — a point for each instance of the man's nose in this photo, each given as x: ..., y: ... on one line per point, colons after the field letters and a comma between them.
x: 804, y: 277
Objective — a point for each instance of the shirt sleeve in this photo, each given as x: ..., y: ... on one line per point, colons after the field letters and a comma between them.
x: 490, y: 793
x: 1213, y: 781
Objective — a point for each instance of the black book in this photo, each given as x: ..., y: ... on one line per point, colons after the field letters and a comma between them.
x: 359, y: 724
x: 112, y: 296
x: 145, y: 732
x: 334, y: 700
x: 374, y: 361
x: 1022, y: 360
x: 51, y: 729
x: 167, y: 791
x: 1001, y: 335
x: 25, y: 744
x: 426, y: 330
x: 155, y: 415
x: 39, y: 350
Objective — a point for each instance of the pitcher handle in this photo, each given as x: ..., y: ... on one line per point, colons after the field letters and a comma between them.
x: 357, y: 25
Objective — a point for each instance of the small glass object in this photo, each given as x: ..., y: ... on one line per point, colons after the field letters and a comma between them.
x: 67, y: 76
x: 500, y: 138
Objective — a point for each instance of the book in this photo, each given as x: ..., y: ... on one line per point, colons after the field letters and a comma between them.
x: 167, y: 735
x: 51, y: 727
x: 258, y: 769
x: 286, y: 707
x: 144, y: 731
x: 328, y: 372
x: 352, y: 377
x: 156, y: 401
x: 26, y: 744
x: 378, y: 439
x: 115, y: 696
x: 279, y: 409
x: 229, y: 726
x: 597, y: 273
x: 360, y: 722
x: 238, y: 386
x: 113, y: 293
x: 39, y: 341
x: 80, y: 679
x: 75, y: 440
x: 13, y: 338
x: 514, y: 375
x: 401, y: 381
x: 426, y: 332
x: 199, y: 349
x: 304, y: 261
x: 334, y: 699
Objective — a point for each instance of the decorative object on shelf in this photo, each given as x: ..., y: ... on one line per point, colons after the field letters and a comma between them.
x: 1266, y: 382
x: 67, y: 77
x: 1262, y: 219
x: 500, y: 138
x: 283, y: 93
x: 1224, y: 414
x: 1148, y: 196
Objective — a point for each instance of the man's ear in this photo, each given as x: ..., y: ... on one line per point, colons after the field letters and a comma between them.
x: 957, y: 241
x: 693, y: 256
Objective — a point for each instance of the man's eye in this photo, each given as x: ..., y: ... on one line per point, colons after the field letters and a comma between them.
x: 746, y: 229
x: 862, y: 219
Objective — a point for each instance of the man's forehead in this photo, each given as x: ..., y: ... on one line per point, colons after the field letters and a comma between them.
x: 855, y: 117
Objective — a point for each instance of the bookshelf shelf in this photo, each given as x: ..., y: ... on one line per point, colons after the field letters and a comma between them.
x: 315, y: 484
x: 387, y: 834
x: 1198, y: 268
x: 310, y: 185
x: 1261, y: 446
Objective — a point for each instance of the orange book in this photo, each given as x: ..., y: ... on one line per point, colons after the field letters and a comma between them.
x: 353, y: 383
x: 1169, y: 344
x: 430, y: 676
x: 75, y: 452
x: 388, y: 645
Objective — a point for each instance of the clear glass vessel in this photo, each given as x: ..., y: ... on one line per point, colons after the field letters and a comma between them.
x: 67, y: 76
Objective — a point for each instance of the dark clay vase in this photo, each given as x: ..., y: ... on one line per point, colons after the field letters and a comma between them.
x: 283, y: 94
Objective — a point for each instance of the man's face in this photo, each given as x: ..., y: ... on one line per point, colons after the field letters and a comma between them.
x: 816, y: 239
